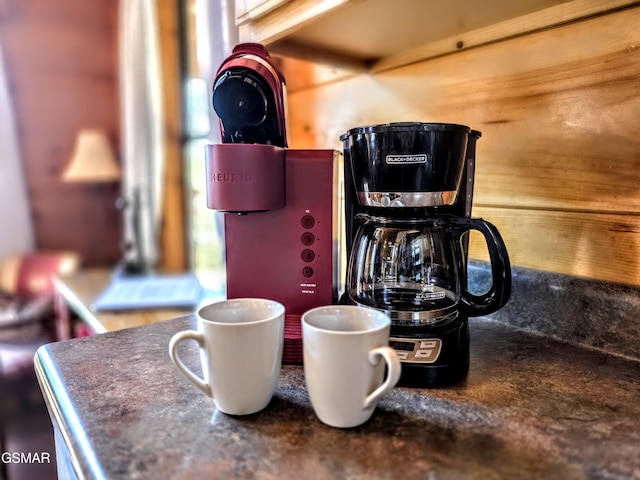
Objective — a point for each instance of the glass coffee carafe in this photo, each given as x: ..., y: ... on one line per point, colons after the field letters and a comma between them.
x: 415, y: 268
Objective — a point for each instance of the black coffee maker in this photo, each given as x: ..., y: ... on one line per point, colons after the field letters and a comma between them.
x: 408, y: 198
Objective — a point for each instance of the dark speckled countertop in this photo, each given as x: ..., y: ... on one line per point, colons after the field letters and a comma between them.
x: 532, y: 407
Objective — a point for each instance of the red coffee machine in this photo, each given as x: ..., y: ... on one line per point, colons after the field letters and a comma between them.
x: 283, y: 207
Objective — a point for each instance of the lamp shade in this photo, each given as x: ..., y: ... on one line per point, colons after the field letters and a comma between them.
x: 93, y: 159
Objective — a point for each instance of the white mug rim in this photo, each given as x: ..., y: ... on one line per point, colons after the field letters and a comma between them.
x: 377, y: 313
x: 279, y: 309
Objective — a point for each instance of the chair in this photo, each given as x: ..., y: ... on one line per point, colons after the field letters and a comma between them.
x: 28, y: 314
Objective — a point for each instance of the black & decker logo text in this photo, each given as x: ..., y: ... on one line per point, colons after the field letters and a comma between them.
x: 405, y: 159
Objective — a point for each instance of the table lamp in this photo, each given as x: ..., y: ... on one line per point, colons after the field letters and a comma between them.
x: 93, y: 161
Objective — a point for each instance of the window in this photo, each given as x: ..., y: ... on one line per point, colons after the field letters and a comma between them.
x: 202, y: 21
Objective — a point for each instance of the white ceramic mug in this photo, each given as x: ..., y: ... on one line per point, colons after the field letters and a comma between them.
x: 241, y: 343
x: 345, y: 351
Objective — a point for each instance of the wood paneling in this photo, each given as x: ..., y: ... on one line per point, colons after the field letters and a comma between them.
x: 61, y: 63
x: 61, y: 59
x: 593, y: 245
x: 558, y: 165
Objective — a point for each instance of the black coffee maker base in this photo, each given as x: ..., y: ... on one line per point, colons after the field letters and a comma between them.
x: 451, y: 366
x: 433, y: 376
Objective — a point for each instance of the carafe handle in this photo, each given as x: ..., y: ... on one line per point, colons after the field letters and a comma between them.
x: 498, y: 295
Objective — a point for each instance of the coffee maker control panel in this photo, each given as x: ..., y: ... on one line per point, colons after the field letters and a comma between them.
x: 412, y: 350
x: 291, y: 254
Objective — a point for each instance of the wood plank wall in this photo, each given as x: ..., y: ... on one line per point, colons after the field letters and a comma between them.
x: 558, y: 166
x: 61, y: 63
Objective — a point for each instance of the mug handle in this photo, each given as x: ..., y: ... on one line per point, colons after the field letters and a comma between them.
x: 173, y: 344
x: 393, y: 373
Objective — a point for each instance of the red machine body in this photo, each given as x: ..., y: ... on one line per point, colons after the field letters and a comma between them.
x: 291, y: 254
x: 284, y: 208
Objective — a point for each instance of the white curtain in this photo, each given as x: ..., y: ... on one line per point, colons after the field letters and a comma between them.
x: 16, y: 231
x: 141, y: 128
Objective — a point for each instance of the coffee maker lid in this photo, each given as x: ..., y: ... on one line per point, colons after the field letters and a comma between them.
x: 397, y: 127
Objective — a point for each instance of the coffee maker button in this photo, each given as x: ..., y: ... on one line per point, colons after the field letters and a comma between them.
x: 307, y: 272
x: 308, y: 255
x: 428, y: 344
x: 424, y: 353
x: 308, y: 238
x: 308, y: 221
